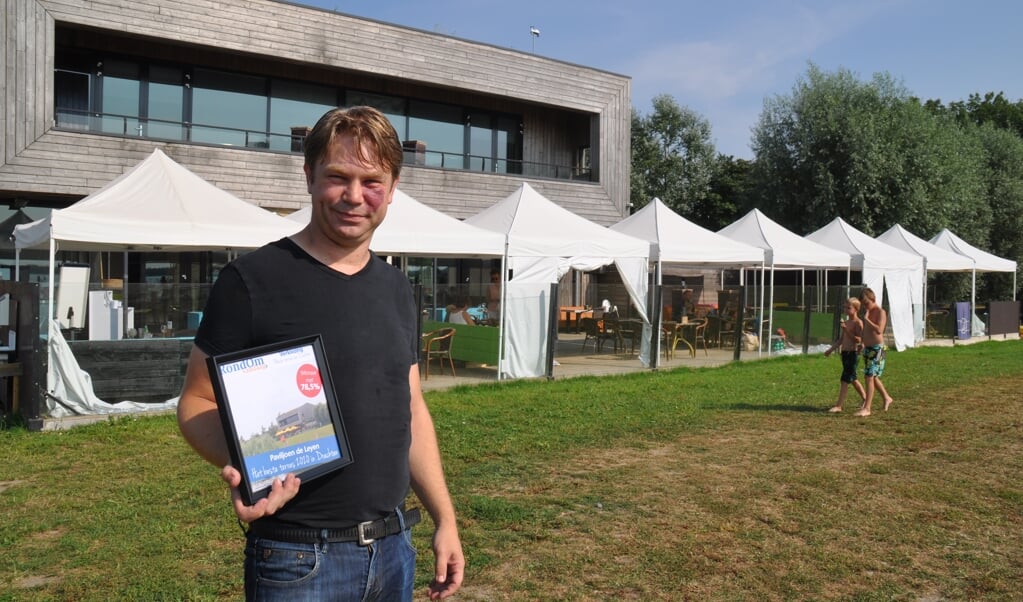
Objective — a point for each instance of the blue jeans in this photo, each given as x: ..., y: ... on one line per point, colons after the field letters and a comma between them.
x: 295, y: 572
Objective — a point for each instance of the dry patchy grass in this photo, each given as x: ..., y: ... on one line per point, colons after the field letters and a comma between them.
x: 776, y: 506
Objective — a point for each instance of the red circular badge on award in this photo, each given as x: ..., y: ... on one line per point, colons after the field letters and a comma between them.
x: 308, y: 378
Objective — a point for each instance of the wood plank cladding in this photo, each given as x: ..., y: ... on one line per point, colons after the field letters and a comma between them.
x: 142, y: 370
x: 286, y: 40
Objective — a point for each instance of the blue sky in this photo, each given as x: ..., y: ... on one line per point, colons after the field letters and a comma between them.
x: 723, y: 59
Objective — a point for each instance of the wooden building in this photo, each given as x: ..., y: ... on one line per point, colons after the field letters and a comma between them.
x: 229, y: 88
x: 90, y: 87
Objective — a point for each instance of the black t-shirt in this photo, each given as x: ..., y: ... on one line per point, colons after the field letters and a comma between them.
x: 368, y: 325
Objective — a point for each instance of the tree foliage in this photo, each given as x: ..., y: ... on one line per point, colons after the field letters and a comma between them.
x: 870, y: 153
x: 673, y: 158
x: 863, y: 151
x: 992, y: 109
x: 730, y: 196
x: 866, y: 151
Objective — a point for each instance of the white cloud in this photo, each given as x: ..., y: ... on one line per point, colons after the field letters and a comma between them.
x: 748, y: 58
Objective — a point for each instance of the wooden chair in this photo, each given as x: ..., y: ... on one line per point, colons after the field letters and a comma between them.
x: 437, y: 344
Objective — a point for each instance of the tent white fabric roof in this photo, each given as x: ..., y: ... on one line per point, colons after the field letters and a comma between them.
x: 936, y: 259
x: 546, y: 240
x: 782, y: 247
x: 983, y: 261
x: 156, y: 205
x: 413, y: 228
x: 674, y: 239
x: 865, y: 253
x: 882, y: 265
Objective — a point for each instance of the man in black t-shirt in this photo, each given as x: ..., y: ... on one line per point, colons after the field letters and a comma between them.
x: 309, y: 541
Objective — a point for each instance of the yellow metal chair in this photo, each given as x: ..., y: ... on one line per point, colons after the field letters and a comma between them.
x: 437, y: 344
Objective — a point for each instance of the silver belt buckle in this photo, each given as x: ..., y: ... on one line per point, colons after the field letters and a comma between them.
x: 361, y: 530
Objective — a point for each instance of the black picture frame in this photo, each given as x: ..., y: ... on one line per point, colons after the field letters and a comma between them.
x: 280, y: 413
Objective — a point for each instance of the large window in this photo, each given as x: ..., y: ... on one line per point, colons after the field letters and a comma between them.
x: 393, y: 108
x: 180, y: 102
x: 229, y: 108
x: 72, y: 90
x: 296, y: 105
x: 120, y: 98
x: 442, y: 128
x: 165, y: 106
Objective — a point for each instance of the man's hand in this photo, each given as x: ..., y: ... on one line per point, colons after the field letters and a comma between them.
x: 450, y: 564
x: 281, y: 492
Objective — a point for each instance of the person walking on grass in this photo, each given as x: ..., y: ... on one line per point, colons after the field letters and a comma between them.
x: 875, y: 318
x: 850, y: 339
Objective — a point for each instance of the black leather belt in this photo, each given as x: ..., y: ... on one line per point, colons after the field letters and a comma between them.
x: 364, y: 533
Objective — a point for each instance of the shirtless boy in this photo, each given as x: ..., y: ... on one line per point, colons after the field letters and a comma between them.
x: 874, y: 321
x: 849, y: 343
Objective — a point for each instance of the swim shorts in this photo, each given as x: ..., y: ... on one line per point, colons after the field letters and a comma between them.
x: 873, y: 360
x: 850, y: 360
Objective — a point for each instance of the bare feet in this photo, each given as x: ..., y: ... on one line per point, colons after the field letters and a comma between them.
x: 863, y: 412
x: 887, y: 403
x: 835, y: 409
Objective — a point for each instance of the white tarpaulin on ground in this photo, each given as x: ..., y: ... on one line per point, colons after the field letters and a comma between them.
x: 545, y: 241
x: 884, y: 267
x: 72, y: 393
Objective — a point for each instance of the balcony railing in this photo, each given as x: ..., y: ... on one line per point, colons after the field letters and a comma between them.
x: 157, y: 129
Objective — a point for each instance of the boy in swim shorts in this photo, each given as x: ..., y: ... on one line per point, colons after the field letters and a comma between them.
x: 848, y: 343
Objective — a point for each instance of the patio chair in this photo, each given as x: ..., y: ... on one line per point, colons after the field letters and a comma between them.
x: 437, y: 344
x: 592, y: 330
x: 612, y: 331
x: 701, y: 335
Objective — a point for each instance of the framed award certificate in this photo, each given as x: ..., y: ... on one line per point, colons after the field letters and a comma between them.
x: 280, y: 413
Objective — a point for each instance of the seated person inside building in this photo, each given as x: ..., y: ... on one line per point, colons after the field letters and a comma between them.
x: 459, y: 312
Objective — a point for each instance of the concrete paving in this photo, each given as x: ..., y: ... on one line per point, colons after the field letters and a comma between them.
x: 572, y: 360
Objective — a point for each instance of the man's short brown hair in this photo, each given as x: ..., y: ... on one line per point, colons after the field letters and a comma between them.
x: 371, y: 130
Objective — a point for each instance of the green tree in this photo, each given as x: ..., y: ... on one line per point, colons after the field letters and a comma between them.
x: 673, y: 157
x: 729, y: 196
x: 1003, y: 152
x: 866, y: 152
x: 992, y: 109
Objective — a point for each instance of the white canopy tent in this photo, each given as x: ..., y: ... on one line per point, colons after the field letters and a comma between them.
x: 783, y: 249
x: 546, y: 240
x: 413, y: 228
x: 936, y: 259
x: 157, y: 205
x: 982, y: 260
x: 882, y: 266
x: 674, y: 239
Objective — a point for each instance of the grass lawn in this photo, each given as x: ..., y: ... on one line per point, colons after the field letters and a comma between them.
x: 729, y: 483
